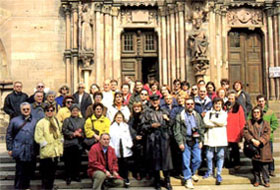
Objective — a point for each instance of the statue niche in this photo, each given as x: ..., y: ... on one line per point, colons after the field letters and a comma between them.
x: 87, y: 25
x: 198, y: 42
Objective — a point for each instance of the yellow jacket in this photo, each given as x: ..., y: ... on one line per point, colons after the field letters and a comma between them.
x: 49, y: 146
x: 102, y: 125
x: 64, y: 113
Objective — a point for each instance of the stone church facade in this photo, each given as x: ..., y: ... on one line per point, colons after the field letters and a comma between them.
x: 72, y: 41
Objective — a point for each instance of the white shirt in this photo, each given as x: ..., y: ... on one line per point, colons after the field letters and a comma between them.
x: 112, y: 110
x: 216, y: 135
x: 117, y: 132
x: 108, y: 98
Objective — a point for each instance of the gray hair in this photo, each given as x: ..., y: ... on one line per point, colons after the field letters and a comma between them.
x: 103, y: 134
x: 231, y: 92
x: 24, y: 104
x: 51, y: 93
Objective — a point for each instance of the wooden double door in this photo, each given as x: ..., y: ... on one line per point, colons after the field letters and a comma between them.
x: 139, y: 54
x: 245, y: 60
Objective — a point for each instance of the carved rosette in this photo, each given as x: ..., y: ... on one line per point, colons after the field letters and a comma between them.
x: 245, y: 16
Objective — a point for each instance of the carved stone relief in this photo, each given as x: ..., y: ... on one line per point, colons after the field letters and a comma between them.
x: 138, y: 17
x: 245, y: 16
x: 198, y: 41
x: 86, y: 27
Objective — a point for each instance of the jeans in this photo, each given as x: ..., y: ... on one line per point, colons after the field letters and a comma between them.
x: 220, y: 159
x: 271, y: 164
x: 194, y: 152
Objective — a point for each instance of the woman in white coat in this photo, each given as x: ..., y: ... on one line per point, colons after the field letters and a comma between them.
x: 215, y: 138
x: 121, y: 141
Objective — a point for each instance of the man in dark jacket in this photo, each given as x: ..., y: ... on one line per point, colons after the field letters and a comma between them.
x: 40, y: 87
x: 135, y: 97
x: 14, y: 99
x: 103, y: 164
x: 189, y: 133
x: 37, y: 107
x: 156, y: 124
x: 82, y: 99
x: 20, y: 145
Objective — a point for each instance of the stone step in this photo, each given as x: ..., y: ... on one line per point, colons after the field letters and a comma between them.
x: 60, y: 174
x: 87, y: 183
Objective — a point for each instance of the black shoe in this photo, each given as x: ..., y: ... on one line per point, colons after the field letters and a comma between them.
x: 158, y: 186
x: 68, y: 181
x: 272, y: 174
x: 168, y: 186
x: 126, y: 183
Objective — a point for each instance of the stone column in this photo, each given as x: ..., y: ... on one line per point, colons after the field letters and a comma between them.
x: 75, y: 46
x: 177, y: 55
x: 277, y: 52
x: 173, y: 45
x: 212, y: 42
x: 108, y: 43
x: 182, y: 43
x: 116, y: 45
x: 271, y: 52
x: 68, y: 46
x: 164, y: 47
x: 168, y: 29
x: 99, y: 47
x: 218, y: 50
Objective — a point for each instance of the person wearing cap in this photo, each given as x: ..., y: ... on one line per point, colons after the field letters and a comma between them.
x: 50, y: 99
x: 48, y: 135
x: 64, y: 91
x: 155, y: 122
x: 73, y: 131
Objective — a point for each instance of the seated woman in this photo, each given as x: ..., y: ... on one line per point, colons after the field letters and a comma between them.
x: 215, y: 138
x: 257, y: 131
x: 73, y: 131
x: 121, y: 141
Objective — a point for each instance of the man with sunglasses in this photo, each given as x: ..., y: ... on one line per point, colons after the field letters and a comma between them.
x: 14, y: 99
x: 189, y: 134
x: 40, y: 87
x: 20, y: 145
x: 65, y: 112
x: 82, y: 98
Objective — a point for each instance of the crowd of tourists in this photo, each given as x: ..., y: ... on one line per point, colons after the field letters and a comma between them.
x: 139, y: 128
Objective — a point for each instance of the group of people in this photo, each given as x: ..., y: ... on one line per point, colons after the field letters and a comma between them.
x: 142, y: 128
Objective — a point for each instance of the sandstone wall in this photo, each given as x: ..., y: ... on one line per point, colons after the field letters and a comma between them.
x: 33, y: 37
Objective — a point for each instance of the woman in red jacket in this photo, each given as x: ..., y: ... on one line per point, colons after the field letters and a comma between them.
x: 235, y: 124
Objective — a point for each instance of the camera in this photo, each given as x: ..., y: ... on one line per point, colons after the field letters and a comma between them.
x: 195, y: 133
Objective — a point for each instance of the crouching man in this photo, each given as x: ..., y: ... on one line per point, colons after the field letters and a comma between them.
x: 103, y: 164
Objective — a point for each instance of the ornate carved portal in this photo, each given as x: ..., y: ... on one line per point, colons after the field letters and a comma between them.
x: 198, y: 41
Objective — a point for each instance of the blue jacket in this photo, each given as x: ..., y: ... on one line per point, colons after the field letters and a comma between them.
x: 202, y: 105
x: 21, y: 141
x: 37, y: 111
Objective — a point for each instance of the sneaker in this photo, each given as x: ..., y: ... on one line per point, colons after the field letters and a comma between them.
x: 219, y: 179
x: 126, y: 182
x: 189, y: 184
x: 195, y: 178
x: 206, y: 175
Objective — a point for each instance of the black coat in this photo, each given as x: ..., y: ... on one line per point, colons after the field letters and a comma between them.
x: 86, y: 101
x: 12, y: 103
x: 31, y: 99
x: 158, y: 153
x: 70, y: 125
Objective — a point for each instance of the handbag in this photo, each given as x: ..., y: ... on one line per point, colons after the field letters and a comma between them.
x: 249, y: 149
x: 88, y: 142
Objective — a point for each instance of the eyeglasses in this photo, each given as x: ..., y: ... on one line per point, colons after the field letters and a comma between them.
x: 143, y: 94
x: 64, y: 89
x: 81, y: 87
x: 50, y: 110
x: 256, y: 112
x: 25, y: 109
x: 69, y: 102
x: 40, y: 86
x: 18, y: 86
x: 194, y: 88
x: 189, y: 104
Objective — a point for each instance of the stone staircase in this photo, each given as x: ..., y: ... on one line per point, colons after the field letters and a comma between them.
x: 240, y: 181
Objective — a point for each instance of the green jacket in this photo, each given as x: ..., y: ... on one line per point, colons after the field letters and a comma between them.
x: 50, y: 147
x: 180, y: 128
x: 271, y: 118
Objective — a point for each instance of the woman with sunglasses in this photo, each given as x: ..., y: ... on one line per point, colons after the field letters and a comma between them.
x: 48, y: 136
x: 257, y: 131
x: 65, y: 112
